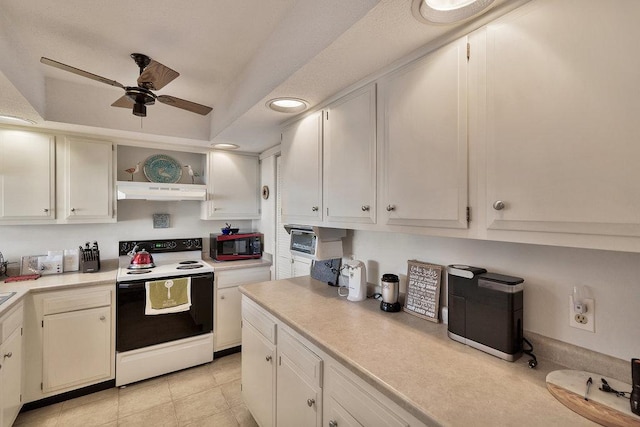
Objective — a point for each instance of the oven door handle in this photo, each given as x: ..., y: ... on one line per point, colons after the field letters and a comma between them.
x: 138, y: 284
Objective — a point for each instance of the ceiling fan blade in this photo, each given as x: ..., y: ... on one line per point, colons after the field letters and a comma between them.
x: 156, y: 76
x: 124, y: 101
x: 79, y: 72
x: 185, y: 105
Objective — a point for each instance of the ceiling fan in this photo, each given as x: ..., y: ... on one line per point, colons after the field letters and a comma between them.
x: 153, y: 76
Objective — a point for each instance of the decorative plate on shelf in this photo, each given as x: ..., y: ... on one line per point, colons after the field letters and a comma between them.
x: 162, y: 168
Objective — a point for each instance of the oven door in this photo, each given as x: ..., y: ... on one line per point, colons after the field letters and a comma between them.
x: 136, y: 330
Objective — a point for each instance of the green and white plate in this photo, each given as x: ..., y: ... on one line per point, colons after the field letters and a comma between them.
x: 162, y: 168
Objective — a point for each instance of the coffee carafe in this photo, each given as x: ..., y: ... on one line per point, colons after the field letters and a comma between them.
x: 390, y: 288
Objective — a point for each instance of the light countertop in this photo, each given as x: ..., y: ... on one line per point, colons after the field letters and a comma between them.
x: 413, y: 362
x: 106, y: 275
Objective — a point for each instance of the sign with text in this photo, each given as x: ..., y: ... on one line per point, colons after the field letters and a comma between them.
x: 423, y: 290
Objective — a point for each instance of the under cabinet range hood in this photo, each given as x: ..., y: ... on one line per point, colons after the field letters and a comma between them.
x: 128, y: 190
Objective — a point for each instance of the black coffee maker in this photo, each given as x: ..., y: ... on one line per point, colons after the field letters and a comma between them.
x: 635, y: 382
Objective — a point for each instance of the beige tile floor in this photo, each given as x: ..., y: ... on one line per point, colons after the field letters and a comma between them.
x: 207, y: 395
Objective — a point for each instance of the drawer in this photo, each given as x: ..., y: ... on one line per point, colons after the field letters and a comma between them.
x: 70, y: 302
x: 307, y: 363
x: 259, y: 320
x: 10, y: 322
x: 365, y: 408
x: 230, y: 278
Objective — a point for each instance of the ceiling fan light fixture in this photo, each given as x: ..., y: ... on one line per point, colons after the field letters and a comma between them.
x: 287, y: 105
x: 447, y: 11
x: 15, y: 119
x: 139, y: 109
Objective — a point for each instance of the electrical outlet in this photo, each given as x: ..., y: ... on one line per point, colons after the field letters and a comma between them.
x: 586, y: 320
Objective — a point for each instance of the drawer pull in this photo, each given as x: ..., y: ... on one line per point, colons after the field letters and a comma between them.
x: 314, y: 209
x: 310, y: 402
x: 102, y: 318
x: 333, y: 423
x: 391, y: 208
x: 365, y: 208
x: 221, y: 296
x: 498, y: 205
x: 8, y: 355
x: 268, y: 358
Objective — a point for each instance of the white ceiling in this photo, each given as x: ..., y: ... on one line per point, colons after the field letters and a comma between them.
x: 231, y: 55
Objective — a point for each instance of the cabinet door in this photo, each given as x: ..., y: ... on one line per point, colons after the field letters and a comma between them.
x: 88, y: 180
x: 258, y: 375
x: 423, y: 120
x: 27, y: 176
x: 76, y: 348
x: 561, y: 120
x: 228, y: 318
x: 337, y: 416
x: 11, y: 377
x: 302, y: 171
x: 300, y: 267
x: 233, y: 186
x: 350, y: 158
x: 298, y: 402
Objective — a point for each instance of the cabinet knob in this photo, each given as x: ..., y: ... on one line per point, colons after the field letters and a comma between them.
x: 268, y: 358
x: 310, y: 402
x: 8, y: 355
x: 315, y: 209
x: 391, y: 208
x: 46, y: 210
x: 498, y: 205
x: 73, y: 210
x: 221, y: 296
x: 365, y: 208
x: 102, y: 318
x: 333, y: 423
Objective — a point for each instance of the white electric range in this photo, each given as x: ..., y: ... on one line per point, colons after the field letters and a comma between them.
x: 149, y: 345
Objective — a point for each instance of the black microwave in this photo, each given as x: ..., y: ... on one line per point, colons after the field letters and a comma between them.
x: 232, y: 247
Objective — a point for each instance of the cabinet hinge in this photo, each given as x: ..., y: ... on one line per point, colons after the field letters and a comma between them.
x: 20, y: 398
x: 468, y: 214
x: 241, y: 324
x: 327, y: 115
x: 42, y: 323
x: 240, y: 386
x: 41, y: 386
x: 21, y: 331
x: 279, y: 360
x: 468, y: 51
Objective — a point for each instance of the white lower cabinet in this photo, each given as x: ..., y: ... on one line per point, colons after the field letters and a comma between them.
x: 351, y: 404
x: 258, y: 364
x: 228, y: 317
x: 305, y: 386
x: 298, y: 383
x: 11, y: 365
x: 70, y: 340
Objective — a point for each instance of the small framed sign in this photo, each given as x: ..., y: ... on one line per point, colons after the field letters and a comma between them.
x: 423, y: 290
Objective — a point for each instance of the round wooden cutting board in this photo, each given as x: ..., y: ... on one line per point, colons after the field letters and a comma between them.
x: 569, y: 386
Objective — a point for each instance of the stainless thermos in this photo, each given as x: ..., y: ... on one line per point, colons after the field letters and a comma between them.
x: 390, y: 287
x: 635, y: 383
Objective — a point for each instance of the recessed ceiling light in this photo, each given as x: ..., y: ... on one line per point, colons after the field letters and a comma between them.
x: 15, y: 119
x: 225, y: 146
x: 287, y: 105
x: 447, y: 11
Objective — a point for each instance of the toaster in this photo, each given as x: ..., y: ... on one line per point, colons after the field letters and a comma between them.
x: 485, y: 310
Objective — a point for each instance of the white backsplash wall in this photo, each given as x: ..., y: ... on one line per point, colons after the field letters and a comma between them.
x: 611, y: 278
x: 135, y: 221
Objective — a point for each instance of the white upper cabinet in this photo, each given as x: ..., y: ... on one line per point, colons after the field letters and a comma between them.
x: 233, y: 187
x: 350, y: 158
x: 302, y: 171
x: 562, y: 108
x: 27, y: 177
x: 86, y: 174
x: 422, y: 120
